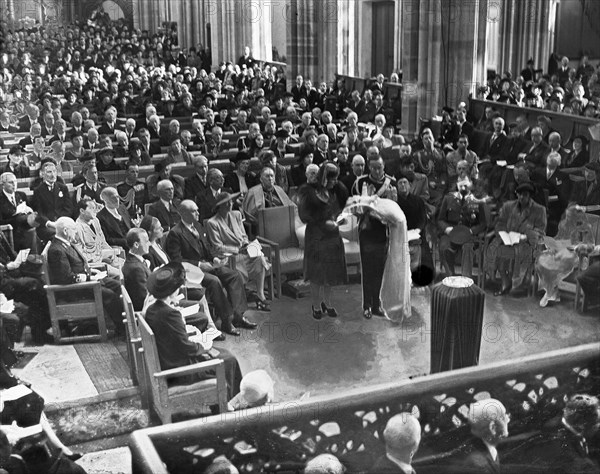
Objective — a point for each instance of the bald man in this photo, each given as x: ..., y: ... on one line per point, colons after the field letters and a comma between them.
x: 402, y: 436
x: 324, y: 463
x: 66, y: 265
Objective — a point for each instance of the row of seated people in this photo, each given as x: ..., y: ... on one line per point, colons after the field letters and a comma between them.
x: 238, y: 180
x: 564, y: 444
x: 568, y: 90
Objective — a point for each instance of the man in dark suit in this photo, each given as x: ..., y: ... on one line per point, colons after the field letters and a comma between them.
x: 174, y: 346
x: 535, y: 156
x: 489, y: 425
x: 358, y: 168
x: 206, y: 199
x: 148, y: 148
x: 32, y: 116
x: 66, y: 265
x: 34, y: 131
x: 197, y: 183
x: 187, y: 242
x: 51, y: 200
x: 135, y: 269
x: 557, y: 185
x: 402, y: 436
x: 496, y: 148
x: 322, y: 152
x: 109, y: 125
x: 165, y: 209
x: 114, y: 218
x: 21, y: 222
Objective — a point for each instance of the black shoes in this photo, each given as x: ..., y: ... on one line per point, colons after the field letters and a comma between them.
x: 331, y: 312
x: 245, y: 323
x: 367, y: 313
x: 317, y: 313
x: 262, y: 305
x: 503, y: 291
x: 230, y: 329
x: 219, y: 338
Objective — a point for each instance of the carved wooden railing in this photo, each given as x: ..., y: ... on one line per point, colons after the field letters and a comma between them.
x: 283, y: 436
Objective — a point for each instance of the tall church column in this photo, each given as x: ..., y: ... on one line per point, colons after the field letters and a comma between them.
x: 312, y: 39
x: 442, y: 55
x: 525, y: 33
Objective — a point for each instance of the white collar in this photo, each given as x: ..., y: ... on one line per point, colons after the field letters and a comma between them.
x: 64, y: 241
x: 139, y: 257
x: 115, y: 213
x: 402, y: 465
x: 167, y: 204
x: 10, y: 196
x: 492, y: 449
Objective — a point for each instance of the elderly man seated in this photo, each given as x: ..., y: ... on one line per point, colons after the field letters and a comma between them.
x: 324, y: 463
x: 91, y: 241
x: 67, y: 265
x: 175, y: 347
x: 165, y: 209
x: 114, y: 218
x: 402, y: 436
x: 489, y: 425
x: 15, y: 211
x: 264, y: 195
x: 187, y: 242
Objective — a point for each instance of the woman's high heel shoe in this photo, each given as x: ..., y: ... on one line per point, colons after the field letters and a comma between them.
x: 331, y: 312
x: 262, y: 305
x: 317, y: 313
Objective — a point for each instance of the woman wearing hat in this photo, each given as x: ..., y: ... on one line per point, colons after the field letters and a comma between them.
x: 226, y: 235
x: 241, y: 179
x: 526, y: 221
x: 298, y: 171
x: 580, y: 155
x: 175, y: 348
x: 324, y: 257
x: 587, y: 195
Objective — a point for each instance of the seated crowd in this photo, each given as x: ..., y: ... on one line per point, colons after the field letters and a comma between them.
x: 85, y: 104
x: 563, y: 89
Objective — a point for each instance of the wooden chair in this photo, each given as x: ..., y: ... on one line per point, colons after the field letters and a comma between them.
x: 89, y: 307
x: 134, y: 344
x: 277, y: 228
x: 165, y: 400
x: 580, y: 303
x: 7, y: 230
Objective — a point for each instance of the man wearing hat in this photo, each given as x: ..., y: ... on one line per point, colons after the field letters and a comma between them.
x: 460, y: 220
x: 514, y: 260
x: 186, y: 242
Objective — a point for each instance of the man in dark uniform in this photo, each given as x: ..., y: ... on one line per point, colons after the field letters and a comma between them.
x: 373, y: 235
x: 461, y: 218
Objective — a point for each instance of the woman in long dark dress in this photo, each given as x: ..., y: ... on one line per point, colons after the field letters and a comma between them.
x: 324, y: 259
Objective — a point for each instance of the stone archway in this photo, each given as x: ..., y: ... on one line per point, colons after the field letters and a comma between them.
x: 125, y: 5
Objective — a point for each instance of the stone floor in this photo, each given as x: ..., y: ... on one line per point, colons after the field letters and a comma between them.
x: 308, y: 357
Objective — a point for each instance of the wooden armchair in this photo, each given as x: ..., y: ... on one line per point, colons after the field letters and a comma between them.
x: 134, y: 344
x: 165, y: 400
x: 88, y: 307
x: 277, y: 228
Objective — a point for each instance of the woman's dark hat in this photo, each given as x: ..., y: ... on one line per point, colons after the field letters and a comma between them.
x: 224, y: 197
x: 526, y: 186
x: 282, y: 134
x: 240, y: 156
x: 164, y: 281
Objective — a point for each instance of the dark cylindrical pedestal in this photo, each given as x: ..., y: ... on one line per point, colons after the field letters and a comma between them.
x: 456, y: 324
